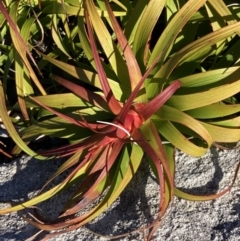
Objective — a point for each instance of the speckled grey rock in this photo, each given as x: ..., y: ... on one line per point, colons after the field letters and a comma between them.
x: 217, y: 220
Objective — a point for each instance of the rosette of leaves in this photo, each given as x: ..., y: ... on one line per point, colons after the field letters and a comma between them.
x: 142, y: 88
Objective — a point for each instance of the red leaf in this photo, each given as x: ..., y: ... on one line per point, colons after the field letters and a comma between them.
x: 107, y: 159
x: 149, y: 109
x: 132, y: 64
x: 19, y: 37
x: 135, y: 92
x: 84, y: 93
x: 67, y: 118
x: 112, y: 101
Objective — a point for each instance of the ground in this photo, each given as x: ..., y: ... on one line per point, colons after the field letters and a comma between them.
x: 217, y: 220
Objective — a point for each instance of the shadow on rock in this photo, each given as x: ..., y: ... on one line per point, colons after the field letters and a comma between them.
x: 19, y: 179
x: 211, y: 186
x: 132, y: 210
x: 226, y: 228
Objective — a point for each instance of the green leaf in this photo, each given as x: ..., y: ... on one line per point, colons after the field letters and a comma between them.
x: 211, y: 96
x: 90, y: 77
x: 19, y: 44
x: 173, y: 28
x: 11, y: 129
x: 145, y: 28
x: 172, y: 134
x: 57, y: 37
x: 60, y: 8
x: 203, y: 44
x: 210, y: 77
x: 223, y: 134
x: 214, y: 111
x: 112, y: 53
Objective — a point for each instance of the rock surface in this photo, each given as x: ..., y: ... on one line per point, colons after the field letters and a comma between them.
x: 217, y: 220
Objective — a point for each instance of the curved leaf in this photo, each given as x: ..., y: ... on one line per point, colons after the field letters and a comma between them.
x: 173, y: 28
x: 11, y: 129
x: 174, y: 136
x: 222, y: 134
x: 196, y: 100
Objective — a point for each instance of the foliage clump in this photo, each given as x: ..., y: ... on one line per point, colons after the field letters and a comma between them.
x: 118, y: 80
